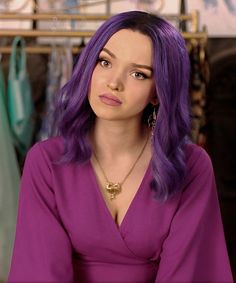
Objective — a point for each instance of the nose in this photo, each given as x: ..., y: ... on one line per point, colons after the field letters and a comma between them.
x: 115, y: 84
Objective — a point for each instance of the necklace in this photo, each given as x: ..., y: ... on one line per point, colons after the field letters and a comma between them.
x: 115, y: 188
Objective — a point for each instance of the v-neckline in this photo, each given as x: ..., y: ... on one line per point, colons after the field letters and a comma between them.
x: 133, y: 201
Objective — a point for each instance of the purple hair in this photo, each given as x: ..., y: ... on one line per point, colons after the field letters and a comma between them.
x: 75, y: 117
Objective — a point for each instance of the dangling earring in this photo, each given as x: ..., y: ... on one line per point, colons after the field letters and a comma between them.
x: 152, y: 120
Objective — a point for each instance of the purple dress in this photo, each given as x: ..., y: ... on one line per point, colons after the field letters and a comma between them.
x: 65, y: 232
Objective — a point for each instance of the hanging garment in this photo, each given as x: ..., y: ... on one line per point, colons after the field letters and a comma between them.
x: 59, y: 72
x: 20, y: 103
x: 59, y: 6
x: 9, y: 182
x: 16, y: 6
x: 66, y: 64
x: 66, y: 233
x: 53, y: 86
x: 71, y: 6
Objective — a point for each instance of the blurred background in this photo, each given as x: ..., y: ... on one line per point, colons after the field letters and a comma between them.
x: 40, y: 41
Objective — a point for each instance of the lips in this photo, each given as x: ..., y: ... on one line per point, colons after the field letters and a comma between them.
x: 110, y: 99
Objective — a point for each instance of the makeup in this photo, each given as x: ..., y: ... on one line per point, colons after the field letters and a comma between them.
x: 110, y: 100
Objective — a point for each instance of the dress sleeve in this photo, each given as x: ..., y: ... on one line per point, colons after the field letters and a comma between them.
x: 195, y: 249
x: 42, y: 249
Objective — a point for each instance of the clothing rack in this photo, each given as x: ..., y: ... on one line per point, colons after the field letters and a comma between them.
x: 82, y: 5
x: 193, y: 18
x: 196, y: 42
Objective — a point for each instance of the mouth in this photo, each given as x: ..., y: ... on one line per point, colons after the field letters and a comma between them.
x: 110, y: 100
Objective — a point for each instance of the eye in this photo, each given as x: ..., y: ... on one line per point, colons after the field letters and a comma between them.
x: 139, y: 75
x: 104, y: 63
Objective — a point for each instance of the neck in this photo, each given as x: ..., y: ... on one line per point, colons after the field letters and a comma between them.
x: 115, y: 138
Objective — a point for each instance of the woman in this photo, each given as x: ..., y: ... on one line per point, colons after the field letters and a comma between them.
x: 111, y: 199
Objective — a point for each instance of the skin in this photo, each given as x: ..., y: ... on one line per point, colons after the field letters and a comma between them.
x: 123, y: 74
x: 124, y: 70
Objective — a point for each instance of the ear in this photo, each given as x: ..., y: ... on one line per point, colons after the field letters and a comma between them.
x: 153, y: 97
x: 154, y: 101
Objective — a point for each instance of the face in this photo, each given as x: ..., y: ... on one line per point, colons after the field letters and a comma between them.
x: 122, y: 82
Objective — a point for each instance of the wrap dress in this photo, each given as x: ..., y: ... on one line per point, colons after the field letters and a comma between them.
x: 65, y: 232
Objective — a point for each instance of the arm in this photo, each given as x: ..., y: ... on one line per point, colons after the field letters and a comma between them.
x: 42, y: 249
x: 195, y: 249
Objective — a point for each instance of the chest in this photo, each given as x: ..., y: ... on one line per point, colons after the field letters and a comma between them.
x: 118, y: 196
x: 89, y: 221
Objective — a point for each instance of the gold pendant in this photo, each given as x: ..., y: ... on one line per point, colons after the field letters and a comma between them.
x: 113, y: 189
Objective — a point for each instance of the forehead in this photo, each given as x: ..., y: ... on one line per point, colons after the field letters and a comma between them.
x: 131, y: 46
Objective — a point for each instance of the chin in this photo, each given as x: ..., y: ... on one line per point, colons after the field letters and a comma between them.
x: 108, y: 117
x: 106, y: 113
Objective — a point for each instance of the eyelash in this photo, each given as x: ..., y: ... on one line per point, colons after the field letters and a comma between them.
x: 101, y: 60
x: 143, y: 75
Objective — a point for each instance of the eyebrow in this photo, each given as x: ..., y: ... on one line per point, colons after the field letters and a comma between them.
x: 134, y: 64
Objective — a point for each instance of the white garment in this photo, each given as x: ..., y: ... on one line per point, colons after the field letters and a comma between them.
x: 16, y: 6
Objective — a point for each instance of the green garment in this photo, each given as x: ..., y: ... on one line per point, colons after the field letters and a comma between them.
x: 20, y: 103
x: 9, y: 183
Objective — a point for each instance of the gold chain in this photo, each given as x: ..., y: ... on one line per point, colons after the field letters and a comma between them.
x: 115, y: 188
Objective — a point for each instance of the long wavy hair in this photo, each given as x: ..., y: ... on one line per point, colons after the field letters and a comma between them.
x: 75, y: 117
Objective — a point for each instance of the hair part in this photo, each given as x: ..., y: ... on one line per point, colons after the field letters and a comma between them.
x: 75, y: 117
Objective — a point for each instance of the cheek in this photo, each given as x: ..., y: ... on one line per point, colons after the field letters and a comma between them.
x: 92, y: 88
x: 94, y: 83
x: 98, y: 80
x: 93, y: 80
x: 144, y: 93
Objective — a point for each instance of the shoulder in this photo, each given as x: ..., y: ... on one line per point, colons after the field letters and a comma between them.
x: 198, y: 162
x: 193, y: 150
x: 196, y: 155
x: 42, y: 160
x: 50, y: 150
